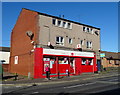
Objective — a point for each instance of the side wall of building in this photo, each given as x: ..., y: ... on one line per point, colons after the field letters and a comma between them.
x: 21, y: 45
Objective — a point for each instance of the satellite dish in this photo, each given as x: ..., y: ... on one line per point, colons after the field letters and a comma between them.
x: 30, y: 34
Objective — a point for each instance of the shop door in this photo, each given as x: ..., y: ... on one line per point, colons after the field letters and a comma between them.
x: 72, y: 65
x: 77, y: 66
x: 51, y: 62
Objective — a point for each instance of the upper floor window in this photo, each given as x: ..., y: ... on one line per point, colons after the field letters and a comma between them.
x: 59, y: 23
x: 68, y: 25
x: 89, y: 44
x: 88, y: 30
x: 81, y: 42
x: 97, y: 33
x: 84, y: 28
x: 70, y: 40
x: 60, y: 40
x: 91, y: 30
x: 64, y: 24
x: 53, y: 21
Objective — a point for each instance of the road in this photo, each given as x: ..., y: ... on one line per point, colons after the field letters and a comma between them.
x: 102, y: 86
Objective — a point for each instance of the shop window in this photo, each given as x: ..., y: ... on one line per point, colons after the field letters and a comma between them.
x: 90, y: 62
x: 72, y: 62
x: 63, y: 60
x: 60, y: 41
x: 87, y: 61
x: 49, y: 60
x: 83, y: 61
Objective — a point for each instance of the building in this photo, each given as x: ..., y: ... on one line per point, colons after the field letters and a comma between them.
x: 38, y: 39
x: 4, y: 57
x: 110, y: 59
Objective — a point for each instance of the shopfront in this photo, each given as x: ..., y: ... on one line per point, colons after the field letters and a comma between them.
x: 63, y: 62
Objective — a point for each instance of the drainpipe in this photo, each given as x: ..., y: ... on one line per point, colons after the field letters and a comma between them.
x: 49, y: 32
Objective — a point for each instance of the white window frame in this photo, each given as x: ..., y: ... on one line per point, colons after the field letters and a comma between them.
x: 91, y: 31
x: 82, y: 42
x: 84, y: 28
x: 55, y: 21
x: 89, y: 44
x: 60, y: 42
x: 64, y: 25
x: 97, y: 32
x: 68, y: 25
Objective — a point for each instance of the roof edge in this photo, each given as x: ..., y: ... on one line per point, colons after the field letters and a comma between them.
x: 62, y: 18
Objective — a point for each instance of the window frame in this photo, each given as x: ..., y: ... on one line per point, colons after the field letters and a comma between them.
x: 89, y: 44
x: 54, y: 20
x: 60, y: 40
x: 82, y: 42
x: 70, y: 42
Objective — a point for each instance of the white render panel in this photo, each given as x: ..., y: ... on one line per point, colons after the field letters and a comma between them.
x: 5, y: 56
x: 67, y: 53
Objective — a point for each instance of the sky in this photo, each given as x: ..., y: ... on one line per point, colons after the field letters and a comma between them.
x: 103, y: 15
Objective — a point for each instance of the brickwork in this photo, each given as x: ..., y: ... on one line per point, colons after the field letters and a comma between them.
x: 21, y: 43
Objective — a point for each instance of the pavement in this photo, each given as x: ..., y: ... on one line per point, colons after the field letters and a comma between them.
x: 42, y: 81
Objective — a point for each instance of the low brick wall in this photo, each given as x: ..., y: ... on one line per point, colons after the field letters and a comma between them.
x: 5, y: 67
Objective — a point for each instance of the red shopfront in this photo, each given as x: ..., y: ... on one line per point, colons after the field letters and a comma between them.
x: 62, y: 61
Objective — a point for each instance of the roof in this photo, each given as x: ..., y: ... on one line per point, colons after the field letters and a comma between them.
x: 5, y: 49
x: 62, y: 19
x: 114, y: 55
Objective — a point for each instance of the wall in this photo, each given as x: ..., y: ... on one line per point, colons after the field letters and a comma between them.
x: 21, y: 43
x: 109, y: 63
x: 5, y: 56
x: 5, y: 67
x: 76, y: 33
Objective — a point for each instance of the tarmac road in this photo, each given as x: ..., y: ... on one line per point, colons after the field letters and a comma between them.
x: 103, y: 86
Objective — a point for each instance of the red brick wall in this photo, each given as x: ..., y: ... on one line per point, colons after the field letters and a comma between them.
x: 5, y: 67
x: 21, y: 43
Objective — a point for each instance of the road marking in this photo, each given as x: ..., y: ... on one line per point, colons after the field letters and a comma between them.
x: 35, y: 92
x: 79, y: 85
x: 18, y: 86
x: 113, y: 80
x: 6, y: 87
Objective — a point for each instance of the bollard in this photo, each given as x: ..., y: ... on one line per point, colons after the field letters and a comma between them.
x: 16, y: 76
x: 68, y: 74
x: 58, y: 75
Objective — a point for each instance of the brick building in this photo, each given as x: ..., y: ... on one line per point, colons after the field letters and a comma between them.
x: 111, y: 59
x: 38, y: 39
